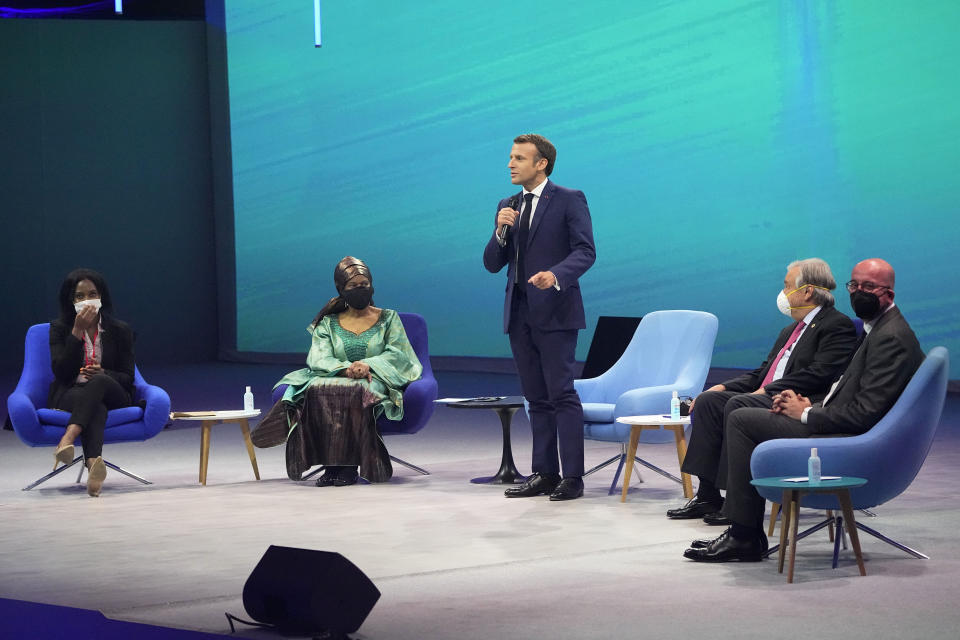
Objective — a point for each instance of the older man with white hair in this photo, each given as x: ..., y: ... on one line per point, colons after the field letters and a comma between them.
x: 807, y: 356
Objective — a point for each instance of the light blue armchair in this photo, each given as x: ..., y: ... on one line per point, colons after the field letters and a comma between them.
x: 889, y: 455
x: 38, y: 426
x: 670, y: 351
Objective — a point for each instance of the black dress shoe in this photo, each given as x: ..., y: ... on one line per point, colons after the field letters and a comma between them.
x: 726, y: 548
x: 717, y: 519
x: 702, y: 543
x: 695, y: 508
x: 568, y: 489
x: 539, y: 484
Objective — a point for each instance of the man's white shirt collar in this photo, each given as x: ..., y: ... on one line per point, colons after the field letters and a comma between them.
x: 537, y: 190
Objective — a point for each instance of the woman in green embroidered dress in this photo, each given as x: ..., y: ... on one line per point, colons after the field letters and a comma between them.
x: 359, y: 362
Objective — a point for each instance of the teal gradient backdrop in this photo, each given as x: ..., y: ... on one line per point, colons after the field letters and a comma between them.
x: 715, y: 141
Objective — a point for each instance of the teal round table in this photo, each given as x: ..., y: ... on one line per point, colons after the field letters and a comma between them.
x: 792, y: 493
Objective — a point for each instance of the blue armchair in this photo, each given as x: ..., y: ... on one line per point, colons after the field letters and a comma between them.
x: 670, y: 351
x: 889, y: 455
x: 418, y: 397
x: 38, y: 426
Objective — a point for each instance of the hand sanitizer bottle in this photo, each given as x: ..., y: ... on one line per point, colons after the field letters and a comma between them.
x: 813, y: 467
x: 675, y: 407
x: 248, y: 400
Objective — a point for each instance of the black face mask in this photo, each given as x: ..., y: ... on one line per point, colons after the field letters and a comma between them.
x: 358, y: 298
x: 865, y: 305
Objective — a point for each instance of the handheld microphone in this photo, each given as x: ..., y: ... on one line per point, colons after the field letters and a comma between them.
x: 504, y: 228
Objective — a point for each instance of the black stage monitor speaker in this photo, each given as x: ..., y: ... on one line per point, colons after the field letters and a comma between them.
x: 302, y: 590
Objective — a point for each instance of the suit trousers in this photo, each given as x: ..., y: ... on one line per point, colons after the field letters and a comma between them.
x: 88, y: 404
x: 707, y: 452
x: 546, y: 361
x: 746, y: 428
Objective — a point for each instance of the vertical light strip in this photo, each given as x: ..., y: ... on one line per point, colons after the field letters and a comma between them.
x: 317, y: 42
x: 118, y: 7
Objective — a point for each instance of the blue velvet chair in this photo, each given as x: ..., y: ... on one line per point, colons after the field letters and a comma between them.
x: 889, y: 455
x: 670, y: 351
x: 418, y: 397
x: 38, y: 426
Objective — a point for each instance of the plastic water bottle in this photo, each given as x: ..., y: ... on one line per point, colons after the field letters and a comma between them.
x: 248, y: 400
x: 675, y: 407
x: 813, y: 467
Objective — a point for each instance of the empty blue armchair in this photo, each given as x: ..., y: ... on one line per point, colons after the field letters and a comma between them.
x: 38, y: 426
x: 670, y: 351
x: 419, y: 395
x: 889, y: 455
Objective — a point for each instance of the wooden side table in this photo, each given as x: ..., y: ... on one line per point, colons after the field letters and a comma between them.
x: 792, y: 493
x: 656, y: 421
x: 210, y: 418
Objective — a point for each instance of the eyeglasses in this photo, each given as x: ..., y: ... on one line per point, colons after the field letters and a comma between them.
x: 869, y: 287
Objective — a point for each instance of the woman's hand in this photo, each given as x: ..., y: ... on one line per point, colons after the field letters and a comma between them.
x: 85, y: 320
x: 359, y: 370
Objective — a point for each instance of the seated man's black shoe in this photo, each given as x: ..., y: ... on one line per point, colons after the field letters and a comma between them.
x: 697, y: 507
x: 568, y: 489
x: 539, y: 484
x: 726, y: 548
x: 717, y: 519
x: 704, y: 542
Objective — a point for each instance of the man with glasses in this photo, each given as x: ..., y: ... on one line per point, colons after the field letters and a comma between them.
x: 807, y: 356
x: 883, y: 363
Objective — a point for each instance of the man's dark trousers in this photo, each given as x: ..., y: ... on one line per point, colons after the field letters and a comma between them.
x: 545, y: 360
x: 707, y: 453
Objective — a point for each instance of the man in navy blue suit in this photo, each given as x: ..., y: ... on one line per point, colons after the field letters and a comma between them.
x: 546, y: 245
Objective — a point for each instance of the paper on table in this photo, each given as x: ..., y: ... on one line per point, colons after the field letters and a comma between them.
x: 476, y: 399
x: 806, y: 479
x: 445, y: 400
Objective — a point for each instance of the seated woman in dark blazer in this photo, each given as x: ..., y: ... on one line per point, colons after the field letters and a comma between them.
x: 91, y: 355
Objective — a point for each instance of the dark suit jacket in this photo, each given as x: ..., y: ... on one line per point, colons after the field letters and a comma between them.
x: 561, y: 241
x: 875, y: 378
x: 66, y: 356
x: 818, y: 357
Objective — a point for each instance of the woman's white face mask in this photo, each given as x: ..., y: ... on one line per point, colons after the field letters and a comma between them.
x: 93, y: 302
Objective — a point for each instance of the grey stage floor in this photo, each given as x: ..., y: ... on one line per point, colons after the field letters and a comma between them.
x: 454, y: 559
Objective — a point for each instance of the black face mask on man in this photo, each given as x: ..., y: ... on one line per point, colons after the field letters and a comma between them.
x: 865, y: 305
x: 358, y: 298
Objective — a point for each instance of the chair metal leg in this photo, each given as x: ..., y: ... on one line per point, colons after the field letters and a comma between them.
x: 126, y: 473
x: 890, y: 541
x: 868, y: 513
x: 313, y: 473
x: 55, y: 472
x: 616, y: 476
x: 800, y: 536
x: 604, y: 464
x: 79, y: 459
x: 408, y: 465
x: 620, y: 460
x: 665, y: 474
x: 836, y: 541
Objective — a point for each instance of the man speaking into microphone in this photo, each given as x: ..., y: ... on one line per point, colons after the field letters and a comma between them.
x: 546, y: 245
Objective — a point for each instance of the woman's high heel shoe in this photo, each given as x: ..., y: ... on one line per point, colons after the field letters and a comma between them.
x: 96, y: 476
x: 63, y: 454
